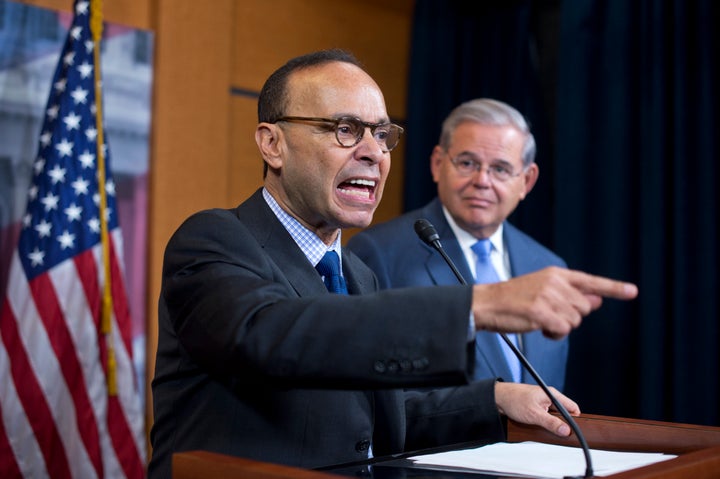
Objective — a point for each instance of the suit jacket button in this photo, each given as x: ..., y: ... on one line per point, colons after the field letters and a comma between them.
x: 362, y: 446
x: 379, y: 366
x: 421, y: 363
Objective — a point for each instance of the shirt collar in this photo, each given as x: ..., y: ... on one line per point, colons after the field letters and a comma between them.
x: 466, y: 240
x: 310, y: 244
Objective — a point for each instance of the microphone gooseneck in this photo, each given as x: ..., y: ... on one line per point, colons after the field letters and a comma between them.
x: 427, y: 233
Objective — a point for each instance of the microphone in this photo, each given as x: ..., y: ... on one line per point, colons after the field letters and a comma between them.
x: 427, y: 233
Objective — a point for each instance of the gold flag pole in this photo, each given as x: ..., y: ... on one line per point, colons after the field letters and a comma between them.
x: 96, y: 27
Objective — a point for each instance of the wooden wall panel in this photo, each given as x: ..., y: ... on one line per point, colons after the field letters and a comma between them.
x: 246, y: 164
x: 270, y: 32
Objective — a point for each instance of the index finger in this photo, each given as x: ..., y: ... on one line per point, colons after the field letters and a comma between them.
x: 602, y: 286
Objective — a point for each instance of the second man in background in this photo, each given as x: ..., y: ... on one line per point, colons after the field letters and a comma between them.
x: 484, y: 165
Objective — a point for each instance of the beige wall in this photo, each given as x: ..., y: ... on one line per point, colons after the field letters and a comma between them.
x: 203, y: 152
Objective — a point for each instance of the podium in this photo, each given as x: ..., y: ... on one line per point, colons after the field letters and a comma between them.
x: 697, y: 448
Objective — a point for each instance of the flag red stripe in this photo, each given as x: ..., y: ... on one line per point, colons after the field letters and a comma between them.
x: 50, y: 311
x: 125, y: 447
x: 32, y: 398
x: 120, y: 303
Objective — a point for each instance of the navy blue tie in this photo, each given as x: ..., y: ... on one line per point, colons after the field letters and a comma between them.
x: 485, y: 273
x: 329, y: 269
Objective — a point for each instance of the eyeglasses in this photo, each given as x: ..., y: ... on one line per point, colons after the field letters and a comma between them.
x: 466, y: 165
x: 349, y: 130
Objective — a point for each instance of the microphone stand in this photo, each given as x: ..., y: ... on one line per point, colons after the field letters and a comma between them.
x: 426, y: 231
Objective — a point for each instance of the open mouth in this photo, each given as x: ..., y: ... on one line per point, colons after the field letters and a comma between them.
x: 358, y: 188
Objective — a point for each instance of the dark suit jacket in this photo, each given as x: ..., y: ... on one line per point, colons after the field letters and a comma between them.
x: 399, y: 258
x: 256, y: 359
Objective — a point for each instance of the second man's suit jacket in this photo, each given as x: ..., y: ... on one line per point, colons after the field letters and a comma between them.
x: 399, y: 258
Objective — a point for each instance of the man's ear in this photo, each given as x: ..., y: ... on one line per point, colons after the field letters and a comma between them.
x: 269, y: 139
x: 436, y: 158
x: 530, y: 175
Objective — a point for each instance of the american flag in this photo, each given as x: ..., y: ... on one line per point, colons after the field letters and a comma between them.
x: 69, y: 399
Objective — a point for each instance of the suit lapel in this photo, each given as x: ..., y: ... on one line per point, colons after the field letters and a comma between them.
x: 280, y: 247
x: 522, y: 261
x: 437, y: 268
x: 359, y: 279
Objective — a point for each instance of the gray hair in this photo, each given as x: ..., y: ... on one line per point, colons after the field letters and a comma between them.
x: 486, y: 111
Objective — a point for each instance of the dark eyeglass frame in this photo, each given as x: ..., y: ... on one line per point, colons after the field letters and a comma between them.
x: 353, y: 122
x: 496, y: 171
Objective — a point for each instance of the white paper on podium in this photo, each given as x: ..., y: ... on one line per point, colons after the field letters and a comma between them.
x: 537, y: 460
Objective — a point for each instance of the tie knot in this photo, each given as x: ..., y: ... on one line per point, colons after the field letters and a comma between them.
x: 484, y: 270
x: 482, y: 248
x: 329, y: 265
x: 329, y: 269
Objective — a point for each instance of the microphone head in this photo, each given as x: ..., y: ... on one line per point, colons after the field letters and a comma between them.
x: 426, y: 232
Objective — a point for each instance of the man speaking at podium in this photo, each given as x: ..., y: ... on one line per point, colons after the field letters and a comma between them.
x: 261, y: 355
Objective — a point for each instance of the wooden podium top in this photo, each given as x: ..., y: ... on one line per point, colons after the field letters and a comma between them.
x: 697, y: 447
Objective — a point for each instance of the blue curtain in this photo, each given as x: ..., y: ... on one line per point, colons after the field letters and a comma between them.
x: 622, y: 97
x: 464, y: 50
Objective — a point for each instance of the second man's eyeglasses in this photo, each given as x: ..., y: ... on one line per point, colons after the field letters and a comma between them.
x: 467, y: 165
